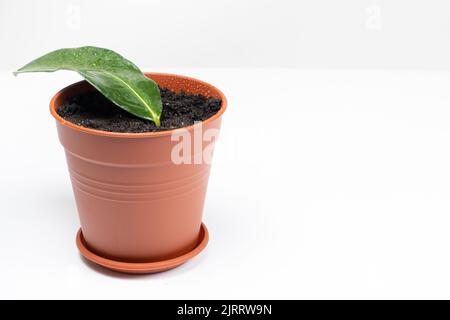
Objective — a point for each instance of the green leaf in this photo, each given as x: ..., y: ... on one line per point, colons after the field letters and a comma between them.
x: 114, y: 76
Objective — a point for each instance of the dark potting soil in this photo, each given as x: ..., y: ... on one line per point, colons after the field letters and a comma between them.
x: 93, y: 110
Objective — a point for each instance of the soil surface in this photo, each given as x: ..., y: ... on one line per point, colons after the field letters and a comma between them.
x: 93, y: 110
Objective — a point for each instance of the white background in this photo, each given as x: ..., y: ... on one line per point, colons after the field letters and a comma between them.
x: 331, y: 178
x: 239, y: 33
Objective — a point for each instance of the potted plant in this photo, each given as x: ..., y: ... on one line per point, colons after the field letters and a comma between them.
x: 138, y: 149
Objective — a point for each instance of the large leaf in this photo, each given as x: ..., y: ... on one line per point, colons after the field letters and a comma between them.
x: 114, y: 76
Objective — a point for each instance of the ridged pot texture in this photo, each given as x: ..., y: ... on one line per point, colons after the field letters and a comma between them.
x: 135, y: 204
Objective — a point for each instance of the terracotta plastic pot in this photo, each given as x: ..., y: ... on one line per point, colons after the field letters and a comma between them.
x: 139, y: 211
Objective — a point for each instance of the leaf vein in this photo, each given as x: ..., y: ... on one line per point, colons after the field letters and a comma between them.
x: 129, y: 87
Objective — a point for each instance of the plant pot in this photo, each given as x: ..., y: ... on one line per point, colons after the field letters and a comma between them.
x: 139, y: 211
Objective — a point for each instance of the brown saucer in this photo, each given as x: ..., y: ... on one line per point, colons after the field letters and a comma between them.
x: 142, y: 267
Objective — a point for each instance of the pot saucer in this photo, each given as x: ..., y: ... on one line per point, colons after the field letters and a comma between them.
x: 142, y: 267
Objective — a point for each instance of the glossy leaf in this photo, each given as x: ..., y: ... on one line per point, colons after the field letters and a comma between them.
x: 114, y: 76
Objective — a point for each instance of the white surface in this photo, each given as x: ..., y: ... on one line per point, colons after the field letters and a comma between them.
x: 239, y: 33
x: 324, y: 185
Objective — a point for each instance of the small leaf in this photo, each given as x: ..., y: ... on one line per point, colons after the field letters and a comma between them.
x: 114, y: 76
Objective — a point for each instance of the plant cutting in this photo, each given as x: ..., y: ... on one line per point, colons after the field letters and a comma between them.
x: 140, y: 209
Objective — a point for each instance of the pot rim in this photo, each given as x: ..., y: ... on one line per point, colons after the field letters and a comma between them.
x: 71, y: 125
